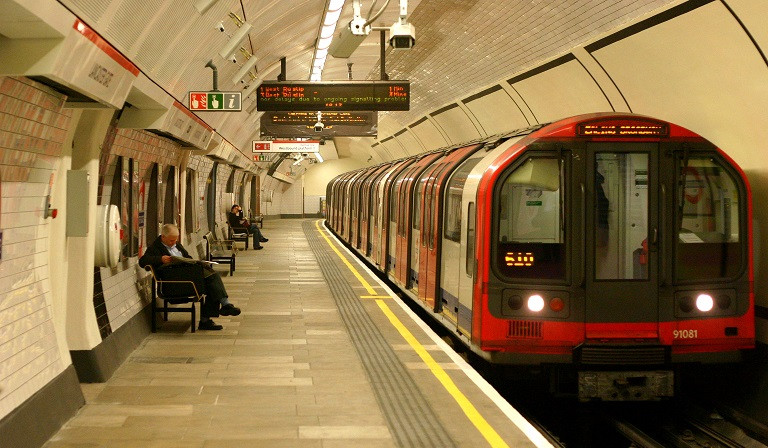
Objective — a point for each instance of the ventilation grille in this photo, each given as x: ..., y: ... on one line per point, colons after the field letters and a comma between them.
x: 524, y: 329
x: 622, y: 355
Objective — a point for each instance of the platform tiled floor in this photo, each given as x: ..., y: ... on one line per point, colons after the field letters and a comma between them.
x: 282, y: 374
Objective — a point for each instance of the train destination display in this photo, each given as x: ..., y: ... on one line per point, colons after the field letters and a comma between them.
x: 333, y: 96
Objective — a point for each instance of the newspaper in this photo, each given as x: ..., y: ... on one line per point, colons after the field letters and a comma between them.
x: 179, y: 260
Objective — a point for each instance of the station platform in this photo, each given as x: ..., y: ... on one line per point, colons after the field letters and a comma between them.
x: 323, y: 355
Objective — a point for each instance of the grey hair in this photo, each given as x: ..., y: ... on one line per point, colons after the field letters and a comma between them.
x: 170, y: 230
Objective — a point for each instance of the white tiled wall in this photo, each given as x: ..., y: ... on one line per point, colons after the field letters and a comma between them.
x: 32, y: 129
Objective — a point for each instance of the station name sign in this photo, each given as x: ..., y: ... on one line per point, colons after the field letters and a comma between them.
x: 333, y: 96
x: 285, y: 146
x: 215, y: 101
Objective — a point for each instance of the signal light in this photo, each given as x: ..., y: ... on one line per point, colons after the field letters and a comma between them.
x: 515, y: 302
x: 686, y: 304
x: 556, y: 304
x: 724, y: 302
x: 535, y: 303
x: 704, y: 302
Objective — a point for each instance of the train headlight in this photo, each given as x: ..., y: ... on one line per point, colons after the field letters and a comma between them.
x: 704, y: 302
x: 535, y: 303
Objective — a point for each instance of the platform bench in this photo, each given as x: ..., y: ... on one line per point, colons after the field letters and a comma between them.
x: 173, y: 292
x: 220, y: 251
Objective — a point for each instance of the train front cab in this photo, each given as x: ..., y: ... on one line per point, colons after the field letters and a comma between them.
x: 620, y: 245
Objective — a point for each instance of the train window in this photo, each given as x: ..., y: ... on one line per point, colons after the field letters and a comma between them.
x: 470, y: 265
x: 530, y: 239
x: 620, y: 210
x: 417, y: 201
x: 393, y: 196
x: 454, y: 191
x: 708, y: 211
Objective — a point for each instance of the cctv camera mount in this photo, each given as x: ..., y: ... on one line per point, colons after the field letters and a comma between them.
x: 402, y: 35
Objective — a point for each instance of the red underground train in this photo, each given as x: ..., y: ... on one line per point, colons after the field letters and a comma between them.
x: 614, y: 246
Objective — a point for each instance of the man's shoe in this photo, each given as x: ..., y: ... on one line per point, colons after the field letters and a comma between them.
x: 258, y: 247
x: 229, y: 310
x: 264, y: 240
x: 209, y: 325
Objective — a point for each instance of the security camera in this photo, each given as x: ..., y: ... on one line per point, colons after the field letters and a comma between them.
x: 402, y: 36
x: 220, y: 27
x: 319, y: 126
x: 233, y: 59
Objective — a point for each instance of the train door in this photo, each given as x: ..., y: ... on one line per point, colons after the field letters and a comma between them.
x: 381, y: 248
x: 403, y: 248
x: 422, y: 207
x: 373, y: 211
x: 621, y: 278
x: 430, y: 247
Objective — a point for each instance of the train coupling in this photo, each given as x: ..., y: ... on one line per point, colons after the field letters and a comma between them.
x: 626, y: 385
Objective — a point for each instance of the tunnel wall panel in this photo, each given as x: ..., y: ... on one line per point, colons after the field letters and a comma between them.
x: 456, y: 124
x: 496, y: 111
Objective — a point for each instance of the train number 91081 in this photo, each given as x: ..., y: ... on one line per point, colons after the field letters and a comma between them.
x: 685, y: 334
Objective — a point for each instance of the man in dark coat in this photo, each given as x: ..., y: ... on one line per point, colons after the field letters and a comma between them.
x: 159, y: 255
x: 236, y: 221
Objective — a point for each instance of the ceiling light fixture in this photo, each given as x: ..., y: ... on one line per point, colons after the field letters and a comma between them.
x: 236, y: 39
x: 249, y: 64
x: 326, y: 36
x: 319, y: 157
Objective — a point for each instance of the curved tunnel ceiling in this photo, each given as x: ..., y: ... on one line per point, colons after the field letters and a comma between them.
x: 462, y: 45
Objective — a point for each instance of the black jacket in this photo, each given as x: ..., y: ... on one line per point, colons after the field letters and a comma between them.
x: 236, y: 222
x: 155, y: 252
x: 189, y: 272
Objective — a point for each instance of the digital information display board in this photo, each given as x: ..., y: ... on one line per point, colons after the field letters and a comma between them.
x: 333, y: 96
x: 336, y: 124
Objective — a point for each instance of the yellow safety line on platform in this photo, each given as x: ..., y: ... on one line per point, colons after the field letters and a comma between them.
x: 469, y: 409
x: 368, y: 287
x: 375, y: 297
x: 474, y: 416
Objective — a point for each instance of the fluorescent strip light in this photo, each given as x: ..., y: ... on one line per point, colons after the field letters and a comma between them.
x: 235, y: 41
x: 332, y: 15
x: 319, y: 158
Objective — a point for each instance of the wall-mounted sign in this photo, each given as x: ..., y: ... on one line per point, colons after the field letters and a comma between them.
x: 333, y: 96
x: 286, y: 146
x: 335, y: 124
x: 215, y: 101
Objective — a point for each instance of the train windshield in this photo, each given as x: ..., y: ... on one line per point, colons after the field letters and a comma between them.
x: 708, y: 228
x: 531, y: 242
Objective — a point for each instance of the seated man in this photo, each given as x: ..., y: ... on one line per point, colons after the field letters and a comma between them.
x: 159, y: 254
x: 236, y: 221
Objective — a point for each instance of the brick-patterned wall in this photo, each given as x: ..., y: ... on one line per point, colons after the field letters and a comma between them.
x: 33, y: 127
x: 122, y: 298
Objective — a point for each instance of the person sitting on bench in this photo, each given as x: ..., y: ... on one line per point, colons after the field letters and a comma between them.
x: 236, y: 221
x: 160, y: 255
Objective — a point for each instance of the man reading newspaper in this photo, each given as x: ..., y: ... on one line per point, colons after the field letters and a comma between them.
x: 172, y: 262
